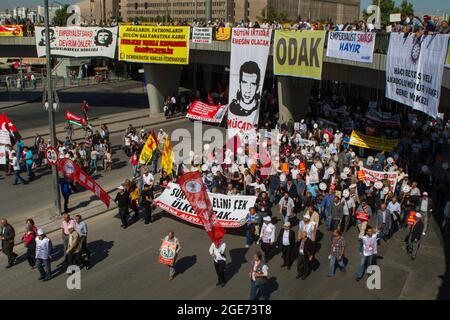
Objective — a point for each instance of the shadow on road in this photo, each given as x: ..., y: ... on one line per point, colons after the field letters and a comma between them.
x: 99, y: 251
x: 185, y: 263
x: 237, y: 259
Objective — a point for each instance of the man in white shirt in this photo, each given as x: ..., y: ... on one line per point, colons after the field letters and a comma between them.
x: 16, y: 167
x: 286, y: 205
x: 306, y: 226
x: 349, y: 208
x: 267, y: 237
x: 148, y: 178
x: 286, y: 240
x: 217, y: 251
x: 368, y: 252
x: 43, y: 255
x: 395, y: 209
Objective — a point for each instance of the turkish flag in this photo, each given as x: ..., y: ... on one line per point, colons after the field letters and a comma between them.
x: 194, y: 190
x: 6, y: 124
x: 71, y: 170
x: 73, y: 117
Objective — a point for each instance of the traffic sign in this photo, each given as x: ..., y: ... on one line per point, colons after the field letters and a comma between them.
x: 51, y: 155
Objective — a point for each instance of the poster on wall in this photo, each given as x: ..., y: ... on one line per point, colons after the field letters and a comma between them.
x: 414, y: 70
x: 78, y: 41
x: 298, y: 54
x: 153, y: 44
x: 201, y: 35
x: 353, y: 46
x: 249, y: 54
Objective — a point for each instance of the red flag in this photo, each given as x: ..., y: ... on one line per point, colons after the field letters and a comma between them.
x: 73, y: 117
x: 329, y: 134
x: 6, y: 124
x: 154, y: 136
x: 71, y: 170
x: 194, y: 190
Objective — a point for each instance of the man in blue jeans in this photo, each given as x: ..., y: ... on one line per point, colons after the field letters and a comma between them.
x: 43, y: 255
x: 252, y: 227
x: 29, y: 163
x: 368, y: 252
x: 16, y: 167
x: 336, y: 253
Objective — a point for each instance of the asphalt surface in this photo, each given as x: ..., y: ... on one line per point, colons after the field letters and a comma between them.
x: 125, y: 262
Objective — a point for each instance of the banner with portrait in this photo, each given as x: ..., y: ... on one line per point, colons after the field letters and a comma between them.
x: 78, y: 41
x: 353, y: 46
x: 298, y: 53
x: 153, y: 44
x: 414, y: 70
x: 201, y: 35
x: 249, y: 54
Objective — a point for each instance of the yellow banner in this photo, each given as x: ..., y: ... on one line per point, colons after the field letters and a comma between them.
x: 147, y: 150
x: 361, y: 140
x: 151, y: 44
x: 223, y: 34
x: 11, y: 31
x: 299, y: 53
x: 167, y: 157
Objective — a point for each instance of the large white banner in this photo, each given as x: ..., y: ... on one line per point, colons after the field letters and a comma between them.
x: 354, y: 46
x: 414, y: 70
x: 249, y: 53
x: 78, y: 41
x: 5, y: 137
x: 231, y: 211
x: 201, y: 35
x: 374, y: 176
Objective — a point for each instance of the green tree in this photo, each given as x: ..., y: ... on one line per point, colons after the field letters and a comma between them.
x: 388, y: 7
x: 61, y: 15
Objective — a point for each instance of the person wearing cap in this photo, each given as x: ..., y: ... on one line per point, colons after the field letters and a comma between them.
x: 286, y: 206
x: 15, y: 163
x: 123, y: 201
x: 44, y: 250
x: 414, y: 236
x: 348, y: 208
x: 267, y: 238
x: 307, y: 226
x: 425, y: 207
x: 384, y: 222
x: 336, y: 253
x: 286, y: 240
x: 368, y: 252
x: 306, y: 250
x: 217, y: 251
x: 73, y: 251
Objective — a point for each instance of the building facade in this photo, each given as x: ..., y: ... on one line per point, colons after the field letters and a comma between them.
x: 95, y: 11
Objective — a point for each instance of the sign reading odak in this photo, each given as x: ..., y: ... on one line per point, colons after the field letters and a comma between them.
x: 152, y: 44
x: 299, y: 54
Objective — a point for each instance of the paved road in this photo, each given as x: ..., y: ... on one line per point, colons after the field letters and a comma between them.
x: 104, y: 99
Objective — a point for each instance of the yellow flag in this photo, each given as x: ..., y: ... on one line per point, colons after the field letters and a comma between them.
x: 167, y: 157
x: 147, y: 150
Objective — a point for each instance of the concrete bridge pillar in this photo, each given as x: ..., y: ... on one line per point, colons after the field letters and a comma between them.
x: 162, y: 80
x: 293, y: 98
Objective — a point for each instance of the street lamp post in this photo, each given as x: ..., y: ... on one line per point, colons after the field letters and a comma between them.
x: 51, y: 115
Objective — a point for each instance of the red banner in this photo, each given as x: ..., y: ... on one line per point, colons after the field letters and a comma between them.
x: 206, y: 112
x: 194, y: 190
x: 71, y: 170
x: 73, y: 117
x: 11, y: 31
x: 6, y: 124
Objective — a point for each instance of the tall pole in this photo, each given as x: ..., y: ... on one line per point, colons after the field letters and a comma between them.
x: 196, y: 9
x: 51, y: 115
x: 208, y: 10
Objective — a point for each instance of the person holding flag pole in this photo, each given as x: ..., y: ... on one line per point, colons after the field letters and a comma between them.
x: 167, y: 157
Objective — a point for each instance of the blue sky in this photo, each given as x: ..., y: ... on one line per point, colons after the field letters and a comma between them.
x: 420, y: 5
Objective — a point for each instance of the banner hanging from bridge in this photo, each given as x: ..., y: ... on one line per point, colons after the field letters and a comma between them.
x: 414, y: 70
x: 223, y: 34
x: 249, y: 54
x: 152, y: 44
x: 206, y: 112
x: 231, y: 211
x: 78, y: 41
x: 11, y: 31
x: 299, y: 53
x: 353, y: 46
x: 201, y: 35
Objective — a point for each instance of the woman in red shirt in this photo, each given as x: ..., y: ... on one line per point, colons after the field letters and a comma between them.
x: 134, y: 161
x: 29, y: 239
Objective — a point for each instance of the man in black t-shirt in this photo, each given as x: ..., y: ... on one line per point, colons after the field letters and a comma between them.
x: 146, y: 203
